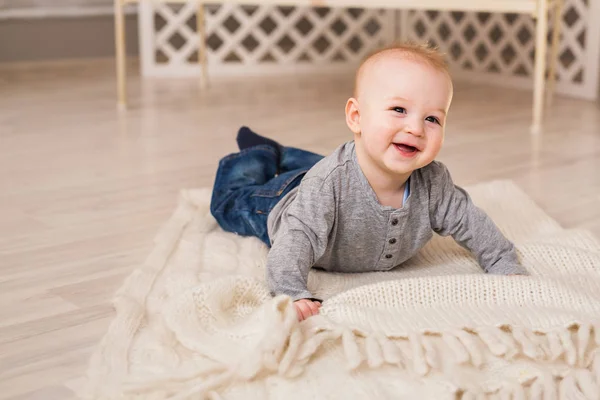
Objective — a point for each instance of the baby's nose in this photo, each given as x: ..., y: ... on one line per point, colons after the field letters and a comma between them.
x: 415, y: 128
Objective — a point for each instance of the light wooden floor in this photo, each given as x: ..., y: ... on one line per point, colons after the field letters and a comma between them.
x: 83, y: 188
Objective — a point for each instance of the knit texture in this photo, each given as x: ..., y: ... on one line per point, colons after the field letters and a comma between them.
x: 196, y: 320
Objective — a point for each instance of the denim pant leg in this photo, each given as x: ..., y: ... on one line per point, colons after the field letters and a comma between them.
x: 293, y: 158
x: 247, y: 188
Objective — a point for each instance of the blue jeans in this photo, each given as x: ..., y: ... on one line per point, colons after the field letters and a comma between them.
x: 250, y: 183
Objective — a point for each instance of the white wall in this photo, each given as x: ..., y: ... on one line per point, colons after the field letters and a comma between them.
x: 47, y: 8
x: 51, y: 4
x: 71, y: 29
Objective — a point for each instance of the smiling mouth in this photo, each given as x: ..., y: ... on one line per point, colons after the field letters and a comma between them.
x: 406, y: 149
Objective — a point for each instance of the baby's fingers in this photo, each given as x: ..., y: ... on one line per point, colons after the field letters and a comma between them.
x: 305, y: 308
x: 302, y: 310
x: 314, y: 307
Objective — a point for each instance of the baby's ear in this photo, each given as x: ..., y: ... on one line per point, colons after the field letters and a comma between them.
x: 353, y: 115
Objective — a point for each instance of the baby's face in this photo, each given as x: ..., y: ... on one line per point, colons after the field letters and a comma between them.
x: 402, y: 106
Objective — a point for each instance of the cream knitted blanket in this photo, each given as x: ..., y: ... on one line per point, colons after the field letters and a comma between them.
x: 196, y: 320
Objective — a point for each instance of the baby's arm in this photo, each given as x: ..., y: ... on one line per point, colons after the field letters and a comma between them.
x: 453, y: 213
x: 300, y: 241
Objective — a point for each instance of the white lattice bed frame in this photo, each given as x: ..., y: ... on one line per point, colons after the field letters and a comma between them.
x: 539, y: 9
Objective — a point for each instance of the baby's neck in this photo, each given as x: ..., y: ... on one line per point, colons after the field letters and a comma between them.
x: 389, y: 188
x: 389, y: 193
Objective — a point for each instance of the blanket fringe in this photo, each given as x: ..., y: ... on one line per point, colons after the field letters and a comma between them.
x: 596, y: 365
x: 577, y: 345
x: 461, y: 355
x: 391, y: 353
x: 584, y: 334
x: 351, y: 349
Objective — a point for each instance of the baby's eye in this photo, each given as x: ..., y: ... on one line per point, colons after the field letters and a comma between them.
x: 400, y: 110
x: 433, y: 119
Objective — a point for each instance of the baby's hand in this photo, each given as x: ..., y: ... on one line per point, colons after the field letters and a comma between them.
x: 306, y: 308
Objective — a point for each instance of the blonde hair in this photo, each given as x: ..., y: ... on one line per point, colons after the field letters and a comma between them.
x: 423, y: 52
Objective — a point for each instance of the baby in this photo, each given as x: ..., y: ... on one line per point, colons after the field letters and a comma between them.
x: 375, y: 201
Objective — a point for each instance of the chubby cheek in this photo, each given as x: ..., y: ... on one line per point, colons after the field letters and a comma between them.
x: 434, y: 144
x: 386, y: 131
x: 378, y: 137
